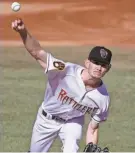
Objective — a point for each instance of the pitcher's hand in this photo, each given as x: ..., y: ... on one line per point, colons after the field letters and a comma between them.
x: 18, y: 25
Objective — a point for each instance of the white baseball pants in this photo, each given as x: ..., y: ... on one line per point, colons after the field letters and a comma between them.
x: 45, y: 131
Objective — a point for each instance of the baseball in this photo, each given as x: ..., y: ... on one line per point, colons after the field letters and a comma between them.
x: 16, y: 6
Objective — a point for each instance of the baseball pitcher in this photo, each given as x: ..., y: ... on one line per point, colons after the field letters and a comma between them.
x: 71, y: 92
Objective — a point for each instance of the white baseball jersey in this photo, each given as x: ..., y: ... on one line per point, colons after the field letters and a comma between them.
x: 66, y: 95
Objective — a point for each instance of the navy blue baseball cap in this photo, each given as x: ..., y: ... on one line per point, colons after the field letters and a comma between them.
x: 100, y: 54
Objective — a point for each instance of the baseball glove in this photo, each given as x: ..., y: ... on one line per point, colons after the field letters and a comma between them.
x: 90, y: 147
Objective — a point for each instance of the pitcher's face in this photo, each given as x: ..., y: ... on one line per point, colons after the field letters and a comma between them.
x: 96, y: 69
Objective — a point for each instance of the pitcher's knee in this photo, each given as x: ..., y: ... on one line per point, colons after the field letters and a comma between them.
x: 71, y: 145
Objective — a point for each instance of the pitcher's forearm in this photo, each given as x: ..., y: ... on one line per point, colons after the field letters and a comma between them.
x: 92, y: 132
x: 30, y: 43
x: 92, y: 136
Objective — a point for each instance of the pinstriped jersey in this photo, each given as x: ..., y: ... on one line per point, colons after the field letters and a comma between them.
x: 66, y: 95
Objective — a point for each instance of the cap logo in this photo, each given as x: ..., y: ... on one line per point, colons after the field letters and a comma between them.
x: 103, y: 53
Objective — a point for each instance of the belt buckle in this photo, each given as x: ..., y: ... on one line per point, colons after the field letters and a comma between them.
x: 49, y: 116
x: 59, y: 119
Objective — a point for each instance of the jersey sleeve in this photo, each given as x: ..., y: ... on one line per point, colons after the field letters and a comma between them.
x: 54, y: 64
x: 101, y: 114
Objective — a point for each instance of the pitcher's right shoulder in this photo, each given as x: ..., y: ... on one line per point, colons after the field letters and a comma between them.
x: 73, y: 69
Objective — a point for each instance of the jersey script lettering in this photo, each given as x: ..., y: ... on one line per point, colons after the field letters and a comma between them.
x: 65, y: 99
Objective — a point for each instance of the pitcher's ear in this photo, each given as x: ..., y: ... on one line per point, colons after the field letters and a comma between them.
x: 87, y: 62
x: 109, y: 67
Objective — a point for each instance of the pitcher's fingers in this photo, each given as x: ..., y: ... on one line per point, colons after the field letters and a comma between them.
x: 16, y: 23
x: 13, y: 25
x: 19, y: 27
x: 20, y: 22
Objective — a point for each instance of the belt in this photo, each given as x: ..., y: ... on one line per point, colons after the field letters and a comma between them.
x: 53, y: 117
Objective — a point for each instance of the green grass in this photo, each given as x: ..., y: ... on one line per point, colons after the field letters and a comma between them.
x: 22, y: 85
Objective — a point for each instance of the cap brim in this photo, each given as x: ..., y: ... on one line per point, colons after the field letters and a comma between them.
x: 100, y: 60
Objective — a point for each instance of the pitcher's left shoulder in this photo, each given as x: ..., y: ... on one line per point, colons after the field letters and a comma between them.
x: 103, y: 90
